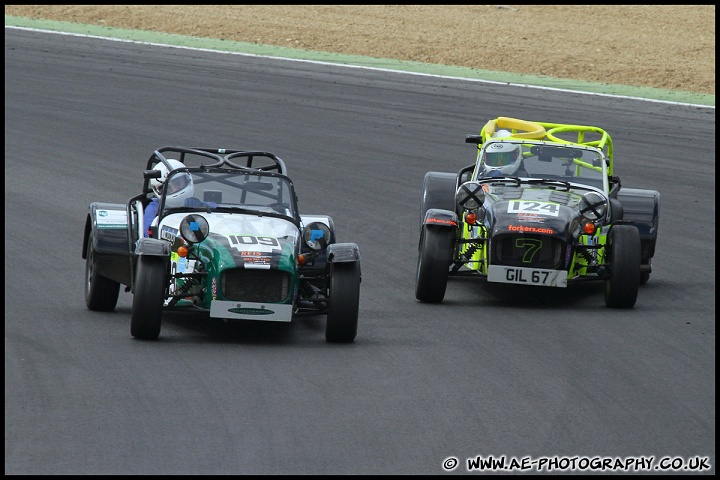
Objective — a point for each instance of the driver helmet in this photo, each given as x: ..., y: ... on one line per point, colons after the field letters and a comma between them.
x: 502, y: 159
x: 177, y: 188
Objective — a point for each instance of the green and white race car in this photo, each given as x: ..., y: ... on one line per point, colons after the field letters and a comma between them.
x: 540, y: 206
x: 235, y: 247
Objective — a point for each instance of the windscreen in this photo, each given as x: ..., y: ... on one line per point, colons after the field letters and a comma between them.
x: 227, y: 189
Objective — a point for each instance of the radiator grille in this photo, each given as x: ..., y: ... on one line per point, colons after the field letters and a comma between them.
x: 246, y: 285
x: 528, y: 250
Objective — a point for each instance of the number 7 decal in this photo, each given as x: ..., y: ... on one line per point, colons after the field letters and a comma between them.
x: 531, y: 245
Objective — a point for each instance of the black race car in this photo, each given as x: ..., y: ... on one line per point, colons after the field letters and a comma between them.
x: 540, y: 206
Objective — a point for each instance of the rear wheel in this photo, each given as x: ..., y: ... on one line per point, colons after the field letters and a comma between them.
x: 434, y: 258
x: 150, y: 283
x: 621, y: 287
x: 342, y: 316
x: 101, y: 294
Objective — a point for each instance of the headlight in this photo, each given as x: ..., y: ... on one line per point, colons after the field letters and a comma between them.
x: 593, y: 206
x: 470, y: 195
x: 316, y: 235
x: 194, y: 228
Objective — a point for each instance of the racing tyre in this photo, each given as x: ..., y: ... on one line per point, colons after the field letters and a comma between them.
x: 434, y: 258
x: 101, y: 293
x: 148, y: 298
x: 342, y: 316
x: 621, y: 287
x: 438, y: 192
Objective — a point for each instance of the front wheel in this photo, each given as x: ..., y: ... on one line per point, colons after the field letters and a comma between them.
x: 342, y: 316
x: 150, y: 283
x: 622, y: 285
x: 434, y: 258
x: 101, y: 293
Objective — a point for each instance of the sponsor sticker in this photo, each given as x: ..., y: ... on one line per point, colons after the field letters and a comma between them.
x: 255, y: 259
x: 111, y: 219
x: 530, y: 217
x: 441, y: 221
x: 168, y: 233
x: 529, y: 229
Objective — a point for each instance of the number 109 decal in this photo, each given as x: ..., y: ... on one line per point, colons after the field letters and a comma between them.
x: 531, y: 206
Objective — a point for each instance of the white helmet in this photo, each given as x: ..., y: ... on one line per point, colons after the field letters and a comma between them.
x: 502, y: 158
x: 177, y: 189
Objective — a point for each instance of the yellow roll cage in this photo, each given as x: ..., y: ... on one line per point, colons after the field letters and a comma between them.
x: 544, y: 131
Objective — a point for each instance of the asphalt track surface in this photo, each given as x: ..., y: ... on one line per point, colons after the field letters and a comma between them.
x: 529, y: 374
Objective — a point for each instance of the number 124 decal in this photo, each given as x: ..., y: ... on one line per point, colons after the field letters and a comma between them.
x: 529, y: 206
